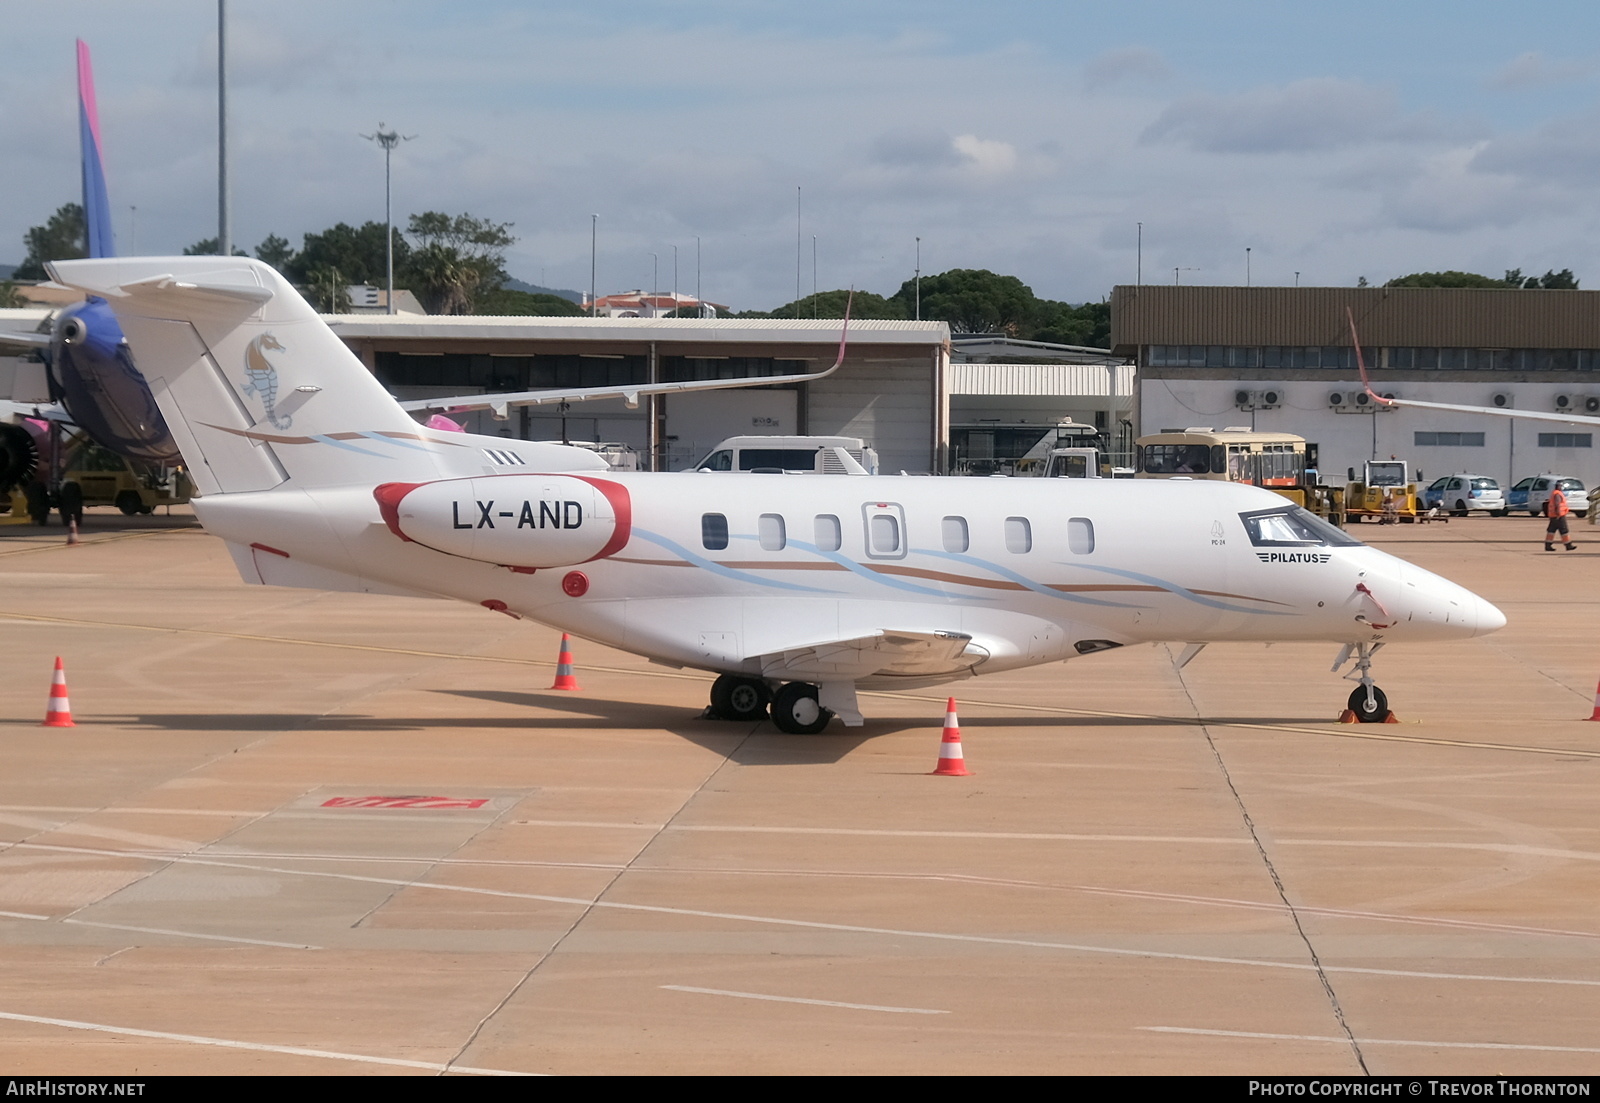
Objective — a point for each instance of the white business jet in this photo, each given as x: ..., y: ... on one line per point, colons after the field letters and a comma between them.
x: 797, y: 590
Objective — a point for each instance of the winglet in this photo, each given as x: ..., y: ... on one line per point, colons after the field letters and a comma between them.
x: 844, y: 332
x: 1361, y: 363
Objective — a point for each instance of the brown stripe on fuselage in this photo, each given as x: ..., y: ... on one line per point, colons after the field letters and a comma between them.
x: 274, y: 438
x: 939, y: 576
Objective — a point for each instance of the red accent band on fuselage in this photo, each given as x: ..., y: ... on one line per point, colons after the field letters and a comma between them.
x: 621, y: 509
x: 388, y: 496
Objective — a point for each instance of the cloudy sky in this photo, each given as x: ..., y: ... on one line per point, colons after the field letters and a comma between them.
x: 1336, y: 141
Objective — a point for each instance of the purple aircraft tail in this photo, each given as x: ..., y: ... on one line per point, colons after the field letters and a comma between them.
x: 96, y: 207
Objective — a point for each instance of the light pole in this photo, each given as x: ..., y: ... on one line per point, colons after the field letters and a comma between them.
x: 698, y: 302
x: 388, y: 139
x: 1138, y: 270
x: 1247, y: 266
x: 594, y: 231
x: 918, y: 271
x: 224, y: 206
x: 814, y: 275
x: 674, y: 279
x: 655, y: 263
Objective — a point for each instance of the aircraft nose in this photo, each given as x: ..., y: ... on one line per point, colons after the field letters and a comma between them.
x: 1490, y: 618
x: 1438, y: 607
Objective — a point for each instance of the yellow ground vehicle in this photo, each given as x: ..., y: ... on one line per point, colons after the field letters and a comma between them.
x: 1384, y: 491
x: 1280, y: 462
x: 107, y: 479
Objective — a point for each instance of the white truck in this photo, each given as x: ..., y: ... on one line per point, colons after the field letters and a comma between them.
x: 777, y: 454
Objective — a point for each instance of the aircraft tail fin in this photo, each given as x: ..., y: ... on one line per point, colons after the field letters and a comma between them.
x: 256, y: 389
x: 96, y: 206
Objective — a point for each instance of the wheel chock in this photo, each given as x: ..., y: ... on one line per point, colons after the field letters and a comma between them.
x: 1390, y: 718
x: 1348, y: 716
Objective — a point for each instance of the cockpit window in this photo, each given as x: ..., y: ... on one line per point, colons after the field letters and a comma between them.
x: 1293, y: 527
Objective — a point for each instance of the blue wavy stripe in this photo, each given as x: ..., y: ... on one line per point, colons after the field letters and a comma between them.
x: 381, y: 439
x: 718, y: 569
x: 346, y: 447
x: 866, y: 573
x: 1189, y: 595
x: 1022, y: 580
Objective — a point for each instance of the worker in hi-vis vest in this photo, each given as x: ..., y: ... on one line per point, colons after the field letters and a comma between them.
x: 1556, y: 507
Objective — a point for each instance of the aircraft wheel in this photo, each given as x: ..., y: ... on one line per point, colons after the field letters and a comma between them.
x: 1358, y: 705
x: 129, y: 502
x: 795, y: 709
x: 734, y: 698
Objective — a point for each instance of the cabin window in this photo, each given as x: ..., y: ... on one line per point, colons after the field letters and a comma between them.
x: 956, y: 538
x: 714, y: 531
x: 829, y: 533
x: 885, y: 534
x: 770, y: 531
x: 1080, y: 535
x: 1019, y: 535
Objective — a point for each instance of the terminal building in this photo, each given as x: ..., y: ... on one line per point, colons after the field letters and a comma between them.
x: 1281, y: 359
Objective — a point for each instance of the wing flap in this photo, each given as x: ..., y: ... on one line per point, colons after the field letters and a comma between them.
x: 885, y: 652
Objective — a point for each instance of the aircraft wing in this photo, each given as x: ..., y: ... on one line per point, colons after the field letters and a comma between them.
x: 887, y: 651
x: 629, y: 392
x: 1498, y: 411
x: 25, y: 338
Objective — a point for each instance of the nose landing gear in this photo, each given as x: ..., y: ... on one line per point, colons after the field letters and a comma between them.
x: 1367, y: 703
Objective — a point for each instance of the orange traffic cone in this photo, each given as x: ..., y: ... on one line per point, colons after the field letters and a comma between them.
x: 564, y: 676
x: 59, y: 714
x: 951, y: 762
x: 72, y: 534
x: 1596, y: 715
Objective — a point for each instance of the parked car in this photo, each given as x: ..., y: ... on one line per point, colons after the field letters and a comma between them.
x: 1532, y: 493
x: 1463, y: 493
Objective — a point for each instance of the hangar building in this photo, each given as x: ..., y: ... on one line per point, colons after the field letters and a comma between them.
x: 1280, y: 358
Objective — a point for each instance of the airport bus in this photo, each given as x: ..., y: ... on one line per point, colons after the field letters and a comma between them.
x: 1280, y: 462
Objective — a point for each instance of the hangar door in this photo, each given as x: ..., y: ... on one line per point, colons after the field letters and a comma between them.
x: 701, y: 421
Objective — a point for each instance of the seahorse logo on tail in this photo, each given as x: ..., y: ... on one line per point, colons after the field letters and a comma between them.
x: 262, y: 378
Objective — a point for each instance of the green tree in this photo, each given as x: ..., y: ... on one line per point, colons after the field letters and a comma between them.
x: 358, y: 254
x: 327, y: 289
x: 62, y: 237
x: 459, y: 260
x: 10, y: 297
x: 973, y: 301
x: 443, y: 279
x: 503, y: 302
x: 1065, y: 324
x: 830, y: 304
x: 207, y: 247
x: 1552, y: 280
x: 1445, y: 279
x: 275, y: 251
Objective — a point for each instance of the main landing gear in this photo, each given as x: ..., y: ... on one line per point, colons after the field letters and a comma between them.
x: 795, y: 708
x: 1367, y: 702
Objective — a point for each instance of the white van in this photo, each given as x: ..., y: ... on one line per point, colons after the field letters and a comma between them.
x: 791, y: 454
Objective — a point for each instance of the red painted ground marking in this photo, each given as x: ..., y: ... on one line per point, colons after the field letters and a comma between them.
x: 406, y: 802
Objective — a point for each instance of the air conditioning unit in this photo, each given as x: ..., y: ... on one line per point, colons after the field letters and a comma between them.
x: 1269, y: 399
x: 1385, y: 406
x: 1502, y: 400
x: 1591, y: 404
x: 1567, y: 402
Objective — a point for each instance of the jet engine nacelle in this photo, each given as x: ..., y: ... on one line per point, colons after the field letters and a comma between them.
x: 522, y: 521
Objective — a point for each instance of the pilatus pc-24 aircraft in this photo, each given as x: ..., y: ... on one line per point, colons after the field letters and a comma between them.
x: 797, y: 590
